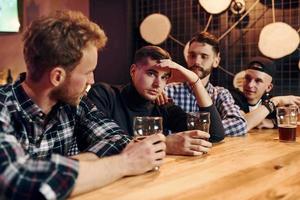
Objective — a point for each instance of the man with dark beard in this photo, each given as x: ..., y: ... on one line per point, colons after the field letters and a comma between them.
x: 203, y: 57
x: 45, y: 118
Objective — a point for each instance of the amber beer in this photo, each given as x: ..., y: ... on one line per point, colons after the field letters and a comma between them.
x: 287, y: 133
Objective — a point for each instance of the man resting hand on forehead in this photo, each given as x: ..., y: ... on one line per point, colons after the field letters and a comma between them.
x: 150, y: 72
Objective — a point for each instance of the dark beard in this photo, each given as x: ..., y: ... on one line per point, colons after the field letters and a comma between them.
x: 204, y: 73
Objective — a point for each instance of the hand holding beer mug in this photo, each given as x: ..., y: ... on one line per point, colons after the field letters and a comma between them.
x: 145, y: 126
x: 198, y: 121
x: 287, y: 123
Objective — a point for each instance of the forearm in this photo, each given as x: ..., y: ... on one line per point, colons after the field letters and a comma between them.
x: 266, y: 123
x: 216, y: 129
x: 51, y: 179
x: 95, y: 174
x: 109, y: 146
x: 203, y: 98
x: 255, y: 117
x: 97, y: 133
x: 85, y: 157
x: 233, y: 122
x: 101, y: 136
x: 136, y: 158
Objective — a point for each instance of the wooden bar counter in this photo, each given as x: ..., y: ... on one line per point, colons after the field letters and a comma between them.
x: 256, y: 166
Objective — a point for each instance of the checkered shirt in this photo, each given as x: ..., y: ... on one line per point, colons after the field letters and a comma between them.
x: 34, y: 146
x: 232, y: 120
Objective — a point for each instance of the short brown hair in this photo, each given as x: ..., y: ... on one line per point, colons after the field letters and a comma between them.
x: 153, y: 52
x: 58, y: 40
x: 208, y: 38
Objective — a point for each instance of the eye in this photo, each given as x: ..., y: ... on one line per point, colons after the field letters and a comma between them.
x: 150, y: 73
x: 247, y: 78
x: 203, y: 56
x: 258, y: 81
x: 89, y: 72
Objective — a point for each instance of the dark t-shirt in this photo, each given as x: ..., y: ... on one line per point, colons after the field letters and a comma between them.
x: 241, y: 101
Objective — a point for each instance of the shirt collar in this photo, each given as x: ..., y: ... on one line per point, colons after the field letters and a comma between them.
x: 29, y: 108
x: 134, y: 100
x: 209, y: 87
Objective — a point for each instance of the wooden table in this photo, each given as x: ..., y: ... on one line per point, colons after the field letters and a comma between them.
x: 256, y: 166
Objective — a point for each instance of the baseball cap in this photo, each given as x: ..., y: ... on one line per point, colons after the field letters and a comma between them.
x: 262, y: 64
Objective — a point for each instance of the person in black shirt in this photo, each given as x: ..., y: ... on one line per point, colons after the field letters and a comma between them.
x: 123, y: 103
x: 254, y: 101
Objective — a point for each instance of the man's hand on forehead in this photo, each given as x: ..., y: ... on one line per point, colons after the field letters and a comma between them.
x: 178, y: 72
x: 168, y: 63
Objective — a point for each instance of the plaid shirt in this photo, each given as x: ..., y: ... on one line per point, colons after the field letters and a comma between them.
x: 34, y: 146
x: 232, y: 120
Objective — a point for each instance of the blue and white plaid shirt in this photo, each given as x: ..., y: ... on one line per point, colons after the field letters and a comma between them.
x: 232, y: 120
x: 34, y: 146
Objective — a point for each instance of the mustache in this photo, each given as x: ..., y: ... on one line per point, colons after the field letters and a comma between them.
x: 197, y: 67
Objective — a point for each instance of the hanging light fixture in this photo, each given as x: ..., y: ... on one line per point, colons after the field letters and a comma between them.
x: 238, y: 7
x: 215, y: 6
x: 155, y: 28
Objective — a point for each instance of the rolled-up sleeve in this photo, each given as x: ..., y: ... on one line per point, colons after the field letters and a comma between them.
x: 98, y: 134
x: 216, y: 129
x: 22, y: 177
x: 233, y: 122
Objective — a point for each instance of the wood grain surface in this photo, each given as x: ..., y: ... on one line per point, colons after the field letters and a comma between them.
x: 256, y: 166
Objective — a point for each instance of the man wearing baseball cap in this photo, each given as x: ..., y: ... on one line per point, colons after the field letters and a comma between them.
x: 259, y: 107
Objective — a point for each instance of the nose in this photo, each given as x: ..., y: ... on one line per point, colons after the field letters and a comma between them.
x: 198, y: 60
x: 251, y: 83
x: 157, y: 82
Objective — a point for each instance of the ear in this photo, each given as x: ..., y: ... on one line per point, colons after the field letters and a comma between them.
x: 270, y: 87
x: 216, y: 61
x: 57, y: 76
x: 132, y: 69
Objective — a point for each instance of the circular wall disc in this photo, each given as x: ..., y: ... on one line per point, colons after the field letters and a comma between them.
x: 238, y: 80
x: 155, y: 28
x: 215, y: 6
x: 186, y: 51
x: 277, y: 40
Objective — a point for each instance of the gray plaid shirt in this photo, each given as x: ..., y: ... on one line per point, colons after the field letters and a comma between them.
x: 34, y: 146
x: 232, y: 120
